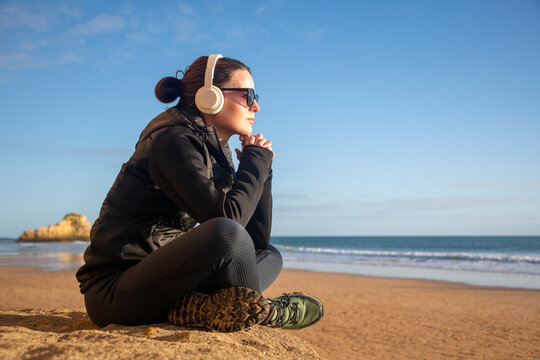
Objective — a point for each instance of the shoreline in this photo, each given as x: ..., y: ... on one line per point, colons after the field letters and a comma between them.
x: 498, y: 280
x: 466, y: 277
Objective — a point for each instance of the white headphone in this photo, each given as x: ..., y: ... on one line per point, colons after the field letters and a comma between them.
x: 209, y: 98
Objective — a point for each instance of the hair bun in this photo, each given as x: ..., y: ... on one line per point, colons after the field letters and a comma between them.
x: 168, y: 89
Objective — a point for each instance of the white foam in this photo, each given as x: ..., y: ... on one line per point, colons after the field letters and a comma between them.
x: 470, y: 261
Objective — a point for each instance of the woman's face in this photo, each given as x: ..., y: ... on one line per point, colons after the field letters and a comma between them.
x: 235, y: 117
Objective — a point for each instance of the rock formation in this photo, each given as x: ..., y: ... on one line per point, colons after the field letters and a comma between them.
x: 71, y: 227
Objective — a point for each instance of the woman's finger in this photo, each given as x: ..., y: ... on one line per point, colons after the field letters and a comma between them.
x: 238, y: 153
x: 259, y: 139
x: 249, y: 140
x: 267, y: 143
x: 243, y: 142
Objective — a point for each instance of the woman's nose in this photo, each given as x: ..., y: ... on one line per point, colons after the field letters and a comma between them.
x: 255, y: 106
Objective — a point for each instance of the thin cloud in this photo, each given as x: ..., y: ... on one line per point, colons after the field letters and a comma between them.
x: 235, y: 33
x: 434, y: 204
x: 20, y: 61
x: 112, y: 58
x: 186, y: 26
x: 33, y: 45
x: 147, y: 33
x: 314, y: 34
x: 381, y: 209
x: 22, y: 16
x: 529, y: 186
x: 186, y: 9
x: 268, y: 6
x: 291, y: 196
x: 68, y: 150
x: 90, y: 151
x: 101, y: 24
x: 474, y: 184
x: 36, y: 17
x: 55, y: 46
x: 68, y: 57
x: 40, y: 50
x: 497, y: 184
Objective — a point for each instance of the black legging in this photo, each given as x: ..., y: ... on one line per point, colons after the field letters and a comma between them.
x: 217, y: 254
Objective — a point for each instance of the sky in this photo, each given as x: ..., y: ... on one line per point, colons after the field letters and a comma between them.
x: 386, y: 117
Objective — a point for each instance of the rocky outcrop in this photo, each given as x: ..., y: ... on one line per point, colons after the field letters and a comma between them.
x: 71, y: 227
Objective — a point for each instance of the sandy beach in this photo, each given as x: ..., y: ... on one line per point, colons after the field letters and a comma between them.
x: 365, y: 318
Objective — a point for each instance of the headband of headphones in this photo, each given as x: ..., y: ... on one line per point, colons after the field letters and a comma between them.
x: 209, y: 98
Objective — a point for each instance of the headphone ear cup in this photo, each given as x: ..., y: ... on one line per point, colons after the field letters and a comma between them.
x: 209, y: 100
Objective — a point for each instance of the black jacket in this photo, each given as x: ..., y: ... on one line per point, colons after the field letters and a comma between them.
x: 178, y: 176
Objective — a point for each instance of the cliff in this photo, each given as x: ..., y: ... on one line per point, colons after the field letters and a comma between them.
x: 71, y: 227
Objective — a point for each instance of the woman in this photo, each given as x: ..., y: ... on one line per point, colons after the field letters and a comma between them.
x: 147, y: 262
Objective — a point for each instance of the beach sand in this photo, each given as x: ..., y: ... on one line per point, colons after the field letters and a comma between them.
x: 365, y: 318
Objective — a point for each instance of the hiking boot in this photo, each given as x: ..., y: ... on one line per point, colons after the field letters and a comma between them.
x: 294, y: 311
x: 227, y: 310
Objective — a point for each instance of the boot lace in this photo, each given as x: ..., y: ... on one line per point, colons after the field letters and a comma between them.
x: 285, y: 312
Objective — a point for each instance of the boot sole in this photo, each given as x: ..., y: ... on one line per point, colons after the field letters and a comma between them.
x: 228, y: 310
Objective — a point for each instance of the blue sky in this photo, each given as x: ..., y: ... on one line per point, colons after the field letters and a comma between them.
x: 387, y: 118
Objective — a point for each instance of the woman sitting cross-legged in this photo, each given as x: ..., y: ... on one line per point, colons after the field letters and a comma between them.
x: 149, y: 261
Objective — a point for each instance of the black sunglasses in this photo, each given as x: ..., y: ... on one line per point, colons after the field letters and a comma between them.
x: 251, y: 96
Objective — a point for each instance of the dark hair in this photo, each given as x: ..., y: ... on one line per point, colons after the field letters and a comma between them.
x: 170, y: 88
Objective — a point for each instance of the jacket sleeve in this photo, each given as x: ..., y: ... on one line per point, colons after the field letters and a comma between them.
x: 260, y: 224
x: 177, y: 165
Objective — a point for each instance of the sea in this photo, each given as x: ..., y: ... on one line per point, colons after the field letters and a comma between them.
x: 506, y: 261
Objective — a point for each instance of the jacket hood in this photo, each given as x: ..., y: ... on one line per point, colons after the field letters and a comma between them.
x: 192, y: 119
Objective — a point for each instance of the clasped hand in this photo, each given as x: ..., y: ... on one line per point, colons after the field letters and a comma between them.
x: 257, y: 140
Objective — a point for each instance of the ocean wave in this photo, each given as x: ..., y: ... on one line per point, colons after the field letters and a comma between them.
x: 418, y: 255
x: 80, y: 242
x: 26, y: 244
x: 480, y: 266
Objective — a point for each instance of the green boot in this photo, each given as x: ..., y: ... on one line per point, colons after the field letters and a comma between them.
x: 294, y: 311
